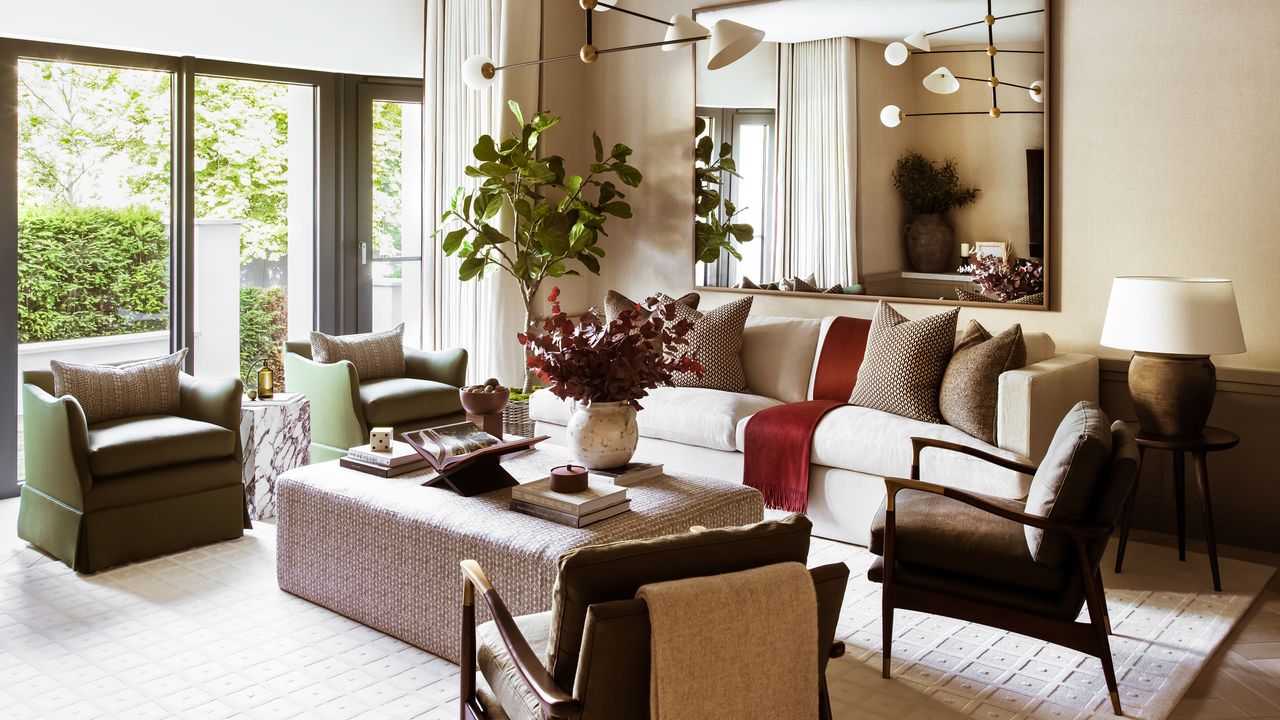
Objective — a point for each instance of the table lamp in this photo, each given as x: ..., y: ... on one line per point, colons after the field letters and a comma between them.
x: 1173, y: 325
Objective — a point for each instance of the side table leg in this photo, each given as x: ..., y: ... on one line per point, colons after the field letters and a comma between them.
x: 1202, y: 477
x: 1126, y: 517
x: 1180, y: 500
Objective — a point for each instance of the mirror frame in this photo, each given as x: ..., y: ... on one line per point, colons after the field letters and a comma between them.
x: 1050, y: 248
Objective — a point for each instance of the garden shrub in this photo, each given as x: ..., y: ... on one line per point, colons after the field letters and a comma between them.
x: 264, y: 325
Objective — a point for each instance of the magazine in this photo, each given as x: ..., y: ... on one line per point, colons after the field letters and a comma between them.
x: 444, y: 443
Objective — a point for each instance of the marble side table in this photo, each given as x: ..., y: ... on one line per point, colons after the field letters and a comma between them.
x: 277, y: 437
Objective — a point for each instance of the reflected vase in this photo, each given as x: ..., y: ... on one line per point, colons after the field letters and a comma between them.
x: 602, y: 435
x: 929, y: 243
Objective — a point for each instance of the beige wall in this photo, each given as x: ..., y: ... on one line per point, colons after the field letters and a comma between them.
x: 880, y: 213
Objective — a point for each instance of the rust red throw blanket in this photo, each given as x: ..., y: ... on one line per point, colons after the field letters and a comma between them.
x: 778, y: 439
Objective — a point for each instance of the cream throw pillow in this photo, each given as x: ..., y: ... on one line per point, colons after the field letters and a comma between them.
x: 107, y: 392
x: 375, y: 355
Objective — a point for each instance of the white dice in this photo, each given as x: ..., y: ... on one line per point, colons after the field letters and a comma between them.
x: 380, y: 439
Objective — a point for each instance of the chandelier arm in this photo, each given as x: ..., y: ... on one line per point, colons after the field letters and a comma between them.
x: 979, y: 22
x: 650, y: 18
x: 975, y: 112
x: 660, y: 43
x: 988, y: 80
x: 976, y: 50
x: 539, y: 61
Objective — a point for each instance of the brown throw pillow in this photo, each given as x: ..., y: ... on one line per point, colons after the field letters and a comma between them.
x: 1065, y: 485
x: 716, y: 343
x: 615, y: 302
x: 107, y: 392
x: 971, y: 383
x: 902, y: 370
x: 834, y: 290
x: 375, y: 355
x: 971, y: 296
x: 748, y: 284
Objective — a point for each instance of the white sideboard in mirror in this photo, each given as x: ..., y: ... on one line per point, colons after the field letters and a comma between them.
x: 877, y: 148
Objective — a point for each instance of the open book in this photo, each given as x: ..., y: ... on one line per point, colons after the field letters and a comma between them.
x: 441, y: 444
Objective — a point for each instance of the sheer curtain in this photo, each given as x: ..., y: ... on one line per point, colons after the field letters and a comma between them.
x: 816, y: 216
x: 482, y: 316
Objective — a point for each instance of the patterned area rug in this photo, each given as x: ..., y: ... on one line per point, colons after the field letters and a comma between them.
x: 207, y: 634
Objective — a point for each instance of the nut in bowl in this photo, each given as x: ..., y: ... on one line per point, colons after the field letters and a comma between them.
x: 485, y: 399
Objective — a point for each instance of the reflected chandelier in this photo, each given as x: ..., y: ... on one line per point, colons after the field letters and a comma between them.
x: 943, y: 82
x: 729, y: 42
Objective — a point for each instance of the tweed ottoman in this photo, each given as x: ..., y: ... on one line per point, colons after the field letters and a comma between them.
x: 385, y: 552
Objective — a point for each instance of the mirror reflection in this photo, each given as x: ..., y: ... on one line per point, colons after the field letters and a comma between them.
x: 876, y: 148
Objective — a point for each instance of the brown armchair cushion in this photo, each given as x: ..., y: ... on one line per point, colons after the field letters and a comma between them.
x: 615, y: 571
x: 375, y: 355
x: 107, y: 392
x: 1074, y: 470
x: 941, y: 533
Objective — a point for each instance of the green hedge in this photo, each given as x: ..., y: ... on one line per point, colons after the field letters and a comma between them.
x: 264, y: 326
x: 88, y: 272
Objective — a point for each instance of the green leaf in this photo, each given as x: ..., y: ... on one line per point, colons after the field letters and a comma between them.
x: 484, y: 149
x: 573, y: 184
x: 617, y: 209
x: 470, y: 268
x: 453, y: 241
x: 742, y: 232
x: 629, y: 175
x: 542, y: 121
x: 620, y: 152
x: 730, y: 209
x: 494, y: 170
x: 491, y: 210
x: 595, y: 140
x: 725, y: 151
x: 515, y: 110
x: 494, y: 236
x: 728, y: 164
x: 590, y: 263
x: 702, y: 153
x: 699, y: 126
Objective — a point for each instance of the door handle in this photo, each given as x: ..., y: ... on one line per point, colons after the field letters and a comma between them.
x: 364, y: 253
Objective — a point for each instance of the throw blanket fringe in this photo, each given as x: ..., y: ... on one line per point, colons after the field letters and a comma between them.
x: 737, y: 646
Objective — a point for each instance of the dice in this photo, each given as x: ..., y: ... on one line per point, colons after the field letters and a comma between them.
x: 380, y: 439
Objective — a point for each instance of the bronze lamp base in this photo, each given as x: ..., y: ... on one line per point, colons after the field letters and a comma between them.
x: 1172, y: 394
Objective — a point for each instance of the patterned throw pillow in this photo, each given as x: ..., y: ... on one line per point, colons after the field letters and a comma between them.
x: 375, y: 355
x: 615, y: 302
x: 716, y: 342
x: 107, y: 392
x: 748, y: 284
x: 971, y: 383
x: 834, y: 290
x: 971, y: 296
x: 903, y: 366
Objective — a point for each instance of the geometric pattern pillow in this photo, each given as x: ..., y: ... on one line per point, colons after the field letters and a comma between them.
x: 375, y: 355
x: 902, y: 369
x: 971, y: 383
x: 107, y: 392
x: 715, y: 341
x: 615, y: 303
x: 971, y: 296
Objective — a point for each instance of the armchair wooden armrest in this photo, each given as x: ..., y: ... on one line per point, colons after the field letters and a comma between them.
x: 555, y: 701
x: 918, y: 444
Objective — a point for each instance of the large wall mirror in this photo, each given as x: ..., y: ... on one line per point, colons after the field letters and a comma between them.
x: 877, y: 148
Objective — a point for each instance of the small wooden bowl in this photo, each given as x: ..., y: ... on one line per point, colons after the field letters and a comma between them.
x: 484, y: 403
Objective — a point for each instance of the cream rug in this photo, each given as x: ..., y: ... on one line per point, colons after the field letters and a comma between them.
x: 207, y: 634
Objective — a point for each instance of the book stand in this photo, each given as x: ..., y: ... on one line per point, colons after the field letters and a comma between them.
x: 479, y: 472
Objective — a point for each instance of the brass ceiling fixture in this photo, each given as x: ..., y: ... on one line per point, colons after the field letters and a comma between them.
x: 730, y: 41
x: 943, y: 82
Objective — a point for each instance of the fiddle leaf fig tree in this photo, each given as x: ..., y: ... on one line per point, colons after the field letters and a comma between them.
x: 556, y: 219
x: 713, y: 230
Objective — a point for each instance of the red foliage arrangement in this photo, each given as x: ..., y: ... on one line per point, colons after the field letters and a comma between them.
x: 1008, y: 280
x: 591, y: 361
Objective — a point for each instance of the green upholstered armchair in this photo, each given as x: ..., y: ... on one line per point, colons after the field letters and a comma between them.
x: 343, y: 407
x: 135, y: 487
x: 588, y: 657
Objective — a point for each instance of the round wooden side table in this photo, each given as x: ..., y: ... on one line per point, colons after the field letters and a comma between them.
x: 1211, y: 440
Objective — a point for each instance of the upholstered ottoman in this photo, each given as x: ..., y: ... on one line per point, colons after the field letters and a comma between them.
x: 385, y: 552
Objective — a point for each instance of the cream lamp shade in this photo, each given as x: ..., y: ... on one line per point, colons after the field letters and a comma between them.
x: 683, y: 28
x: 918, y: 40
x: 1173, y: 316
x: 730, y: 41
x: 473, y: 72
x: 941, y: 81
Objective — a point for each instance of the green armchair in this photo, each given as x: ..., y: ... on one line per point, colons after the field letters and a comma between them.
x: 131, y: 488
x: 344, y: 408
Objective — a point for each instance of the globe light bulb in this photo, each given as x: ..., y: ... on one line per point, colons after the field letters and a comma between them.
x: 478, y: 72
x: 891, y: 116
x: 896, y: 53
x: 1037, y: 91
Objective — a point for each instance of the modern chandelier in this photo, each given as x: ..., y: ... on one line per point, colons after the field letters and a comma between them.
x: 730, y: 41
x: 943, y: 82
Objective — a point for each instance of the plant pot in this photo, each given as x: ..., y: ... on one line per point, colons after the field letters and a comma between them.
x: 929, y: 243
x: 515, y: 419
x: 602, y: 435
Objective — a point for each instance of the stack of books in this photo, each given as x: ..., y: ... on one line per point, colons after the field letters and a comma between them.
x: 599, y: 501
x: 401, y: 459
x: 629, y: 474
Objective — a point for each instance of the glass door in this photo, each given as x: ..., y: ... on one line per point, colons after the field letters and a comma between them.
x: 390, y: 209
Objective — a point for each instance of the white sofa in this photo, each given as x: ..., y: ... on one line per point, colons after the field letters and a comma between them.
x: 701, y: 431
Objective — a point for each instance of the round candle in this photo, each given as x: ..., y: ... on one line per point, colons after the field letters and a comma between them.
x: 568, y: 478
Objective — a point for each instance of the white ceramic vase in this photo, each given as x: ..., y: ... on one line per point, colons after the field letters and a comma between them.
x: 602, y: 435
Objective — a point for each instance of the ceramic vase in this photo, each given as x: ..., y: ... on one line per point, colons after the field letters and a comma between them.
x: 929, y: 243
x: 602, y: 435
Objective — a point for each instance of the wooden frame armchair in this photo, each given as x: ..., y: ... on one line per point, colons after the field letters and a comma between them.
x: 945, y: 584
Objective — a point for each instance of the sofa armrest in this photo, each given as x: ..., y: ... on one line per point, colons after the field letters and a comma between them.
x: 1034, y: 399
x: 444, y: 366
x: 55, y: 440
x: 333, y: 389
x: 213, y: 401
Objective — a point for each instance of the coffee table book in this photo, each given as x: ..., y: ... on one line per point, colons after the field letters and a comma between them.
x: 401, y: 454
x: 630, y: 474
x: 598, y: 496
x: 576, y: 521
x: 383, y: 471
x: 468, y: 473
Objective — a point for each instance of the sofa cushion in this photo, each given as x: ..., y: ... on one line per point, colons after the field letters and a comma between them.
x: 500, y: 671
x: 938, y: 532
x: 692, y: 416
x: 615, y: 303
x: 777, y: 354
x: 878, y: 443
x: 374, y: 355
x: 969, y: 397
x: 127, y: 445
x: 716, y: 342
x: 1067, y: 483
x: 107, y: 392
x: 615, y: 571
x: 392, y: 401
x: 904, y: 362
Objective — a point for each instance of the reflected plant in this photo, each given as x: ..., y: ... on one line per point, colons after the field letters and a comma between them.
x: 1008, y: 280
x: 713, y: 230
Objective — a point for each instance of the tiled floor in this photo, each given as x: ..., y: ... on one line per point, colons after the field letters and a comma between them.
x: 1243, y: 681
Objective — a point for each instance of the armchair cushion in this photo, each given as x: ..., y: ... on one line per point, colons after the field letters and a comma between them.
x: 1066, y: 486
x: 935, y: 531
x: 499, y: 669
x: 392, y: 401
x: 127, y: 445
x: 374, y: 355
x: 106, y: 392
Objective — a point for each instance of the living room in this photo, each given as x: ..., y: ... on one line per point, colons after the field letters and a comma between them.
x: 918, y: 332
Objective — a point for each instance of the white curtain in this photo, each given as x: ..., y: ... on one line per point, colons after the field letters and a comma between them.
x: 481, y: 316
x: 816, y: 213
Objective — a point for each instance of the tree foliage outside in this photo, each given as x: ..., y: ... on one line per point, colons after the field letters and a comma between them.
x: 388, y: 171
x: 263, y: 330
